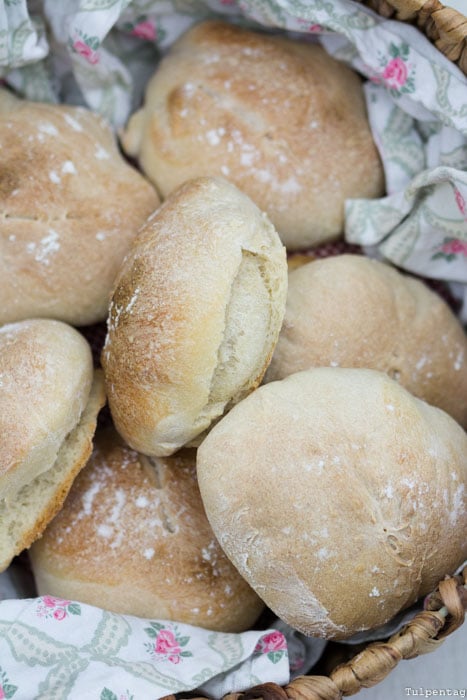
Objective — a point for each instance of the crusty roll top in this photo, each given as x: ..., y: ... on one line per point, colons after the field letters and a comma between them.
x: 339, y: 496
x: 71, y: 206
x: 133, y: 537
x: 194, y: 317
x: 351, y: 311
x: 280, y: 118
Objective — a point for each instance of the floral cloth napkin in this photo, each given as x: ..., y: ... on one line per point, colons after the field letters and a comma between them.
x: 58, y: 649
x: 101, y: 53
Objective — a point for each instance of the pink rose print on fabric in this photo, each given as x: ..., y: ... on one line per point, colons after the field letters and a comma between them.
x: 460, y: 201
x: 312, y: 28
x: 57, y: 608
x: 455, y: 246
x: 86, y: 46
x: 60, y: 613
x: 86, y: 51
x: 297, y: 663
x: 273, y: 644
x: 144, y: 30
x: 168, y: 643
x: 274, y: 641
x: 51, y: 602
x: 396, y: 74
x: 450, y: 249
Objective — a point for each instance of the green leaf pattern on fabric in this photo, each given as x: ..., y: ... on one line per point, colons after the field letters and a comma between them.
x: 49, y: 655
x: 7, y: 689
x: 107, y: 694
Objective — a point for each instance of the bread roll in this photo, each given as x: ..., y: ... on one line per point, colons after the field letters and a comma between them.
x: 49, y: 401
x: 194, y: 316
x: 70, y: 204
x: 350, y: 311
x: 280, y: 118
x: 339, y: 496
x: 132, y: 537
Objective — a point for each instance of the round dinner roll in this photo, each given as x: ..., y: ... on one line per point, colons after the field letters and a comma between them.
x: 194, y: 317
x: 339, y: 496
x: 71, y: 206
x: 351, y: 311
x: 49, y: 401
x: 133, y: 538
x: 278, y: 117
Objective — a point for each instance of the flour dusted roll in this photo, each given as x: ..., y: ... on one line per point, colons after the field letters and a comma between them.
x: 339, y: 496
x: 133, y: 537
x: 49, y: 401
x: 194, y: 317
x: 279, y: 118
x: 70, y: 204
x: 350, y: 311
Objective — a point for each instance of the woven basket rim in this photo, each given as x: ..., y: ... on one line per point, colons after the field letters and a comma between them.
x: 443, y: 614
x: 445, y: 27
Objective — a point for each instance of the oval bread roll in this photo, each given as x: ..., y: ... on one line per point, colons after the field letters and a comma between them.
x: 132, y: 537
x: 194, y: 316
x: 71, y: 206
x: 350, y: 311
x: 49, y: 401
x: 339, y: 496
x: 279, y: 118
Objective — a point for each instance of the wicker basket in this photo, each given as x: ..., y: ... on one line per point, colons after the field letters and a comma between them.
x: 445, y: 608
x: 446, y: 28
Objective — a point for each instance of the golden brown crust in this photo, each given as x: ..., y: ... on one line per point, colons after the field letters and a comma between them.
x: 46, y: 376
x: 25, y: 514
x: 194, y: 316
x: 49, y: 400
x: 350, y: 311
x: 133, y: 538
x: 39, y: 501
x: 70, y: 205
x: 366, y: 481
x: 279, y: 118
